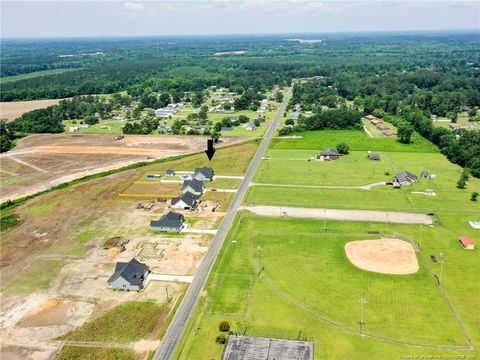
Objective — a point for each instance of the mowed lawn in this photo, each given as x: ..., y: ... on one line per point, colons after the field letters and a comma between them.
x: 307, y: 283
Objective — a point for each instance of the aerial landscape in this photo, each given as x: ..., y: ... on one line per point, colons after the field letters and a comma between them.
x: 240, y: 180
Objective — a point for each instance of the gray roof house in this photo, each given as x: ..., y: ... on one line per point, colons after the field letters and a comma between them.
x: 194, y: 186
x: 405, y: 178
x: 129, y: 276
x: 170, y: 222
x: 329, y: 154
x: 203, y: 174
x: 373, y: 156
x: 185, y: 201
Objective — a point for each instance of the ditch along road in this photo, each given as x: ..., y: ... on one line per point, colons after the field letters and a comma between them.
x: 177, y: 326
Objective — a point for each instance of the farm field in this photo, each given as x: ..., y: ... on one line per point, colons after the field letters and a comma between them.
x: 15, y: 109
x: 40, y: 162
x: 67, y: 239
x: 307, y: 287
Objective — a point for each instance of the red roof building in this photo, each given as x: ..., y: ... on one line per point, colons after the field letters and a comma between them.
x: 467, y: 243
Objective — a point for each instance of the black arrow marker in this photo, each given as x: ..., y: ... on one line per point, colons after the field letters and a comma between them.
x: 210, y: 149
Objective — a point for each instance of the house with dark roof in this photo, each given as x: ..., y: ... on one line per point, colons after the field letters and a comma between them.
x: 373, y: 156
x: 185, y: 201
x: 405, y: 178
x: 328, y: 154
x: 194, y: 186
x: 203, y: 174
x: 129, y: 276
x: 170, y: 222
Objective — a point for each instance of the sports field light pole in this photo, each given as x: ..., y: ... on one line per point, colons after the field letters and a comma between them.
x: 362, y: 302
x: 441, y: 268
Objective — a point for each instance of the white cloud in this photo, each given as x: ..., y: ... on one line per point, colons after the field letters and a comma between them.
x: 133, y: 6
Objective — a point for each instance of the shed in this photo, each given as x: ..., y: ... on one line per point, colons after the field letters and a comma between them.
x: 170, y: 173
x: 467, y: 243
x: 373, y: 156
x: 424, y: 174
x: 129, y: 276
x: 170, y: 222
x: 329, y: 154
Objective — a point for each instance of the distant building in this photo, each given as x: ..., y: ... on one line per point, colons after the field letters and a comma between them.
x: 467, y: 243
x: 203, y: 174
x: 129, y: 276
x: 170, y: 222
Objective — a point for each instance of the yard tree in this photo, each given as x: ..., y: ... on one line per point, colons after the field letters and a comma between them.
x: 224, y: 326
x: 203, y: 113
x: 405, y: 132
x: 227, y: 106
x: 343, y: 148
x: 90, y: 120
x: 279, y: 97
x: 462, y: 182
x: 289, y: 122
x: 474, y: 196
x: 216, y: 136
x: 243, y: 119
x: 6, y: 137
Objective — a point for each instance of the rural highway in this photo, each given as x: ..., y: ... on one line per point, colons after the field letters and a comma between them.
x: 180, y: 319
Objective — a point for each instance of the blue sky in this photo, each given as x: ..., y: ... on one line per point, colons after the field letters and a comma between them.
x: 118, y: 18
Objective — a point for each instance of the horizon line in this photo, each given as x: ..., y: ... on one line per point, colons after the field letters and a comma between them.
x: 238, y: 34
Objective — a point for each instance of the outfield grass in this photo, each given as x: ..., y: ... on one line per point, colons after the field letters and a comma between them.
x: 128, y: 322
x: 356, y: 139
x: 307, y: 278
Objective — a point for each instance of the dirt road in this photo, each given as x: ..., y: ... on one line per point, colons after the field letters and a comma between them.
x: 345, y: 215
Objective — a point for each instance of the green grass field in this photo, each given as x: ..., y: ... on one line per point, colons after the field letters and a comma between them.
x: 356, y: 139
x: 128, y: 322
x: 103, y: 127
x: 309, y: 286
x: 9, y: 79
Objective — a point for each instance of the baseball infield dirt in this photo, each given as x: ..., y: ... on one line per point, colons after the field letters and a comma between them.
x: 384, y: 256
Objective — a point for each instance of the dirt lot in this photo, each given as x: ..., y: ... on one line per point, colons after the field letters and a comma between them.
x: 385, y: 256
x: 12, y: 110
x: 40, y: 162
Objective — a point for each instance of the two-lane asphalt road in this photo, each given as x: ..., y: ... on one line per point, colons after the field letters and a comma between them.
x: 177, y: 326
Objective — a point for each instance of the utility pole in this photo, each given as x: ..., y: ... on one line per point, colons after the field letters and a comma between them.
x: 441, y: 268
x: 166, y: 291
x: 362, y: 302
x: 258, y: 261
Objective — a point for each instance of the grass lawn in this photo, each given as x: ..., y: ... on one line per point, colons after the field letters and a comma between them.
x: 39, y: 275
x: 103, y: 127
x: 307, y: 281
x: 356, y: 139
x: 128, y: 322
x: 76, y: 352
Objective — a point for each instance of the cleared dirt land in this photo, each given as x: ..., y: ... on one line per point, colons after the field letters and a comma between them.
x: 40, y: 162
x: 15, y: 109
x: 384, y: 256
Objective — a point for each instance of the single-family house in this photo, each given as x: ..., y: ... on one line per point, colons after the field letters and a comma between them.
x: 467, y: 243
x: 203, y: 174
x: 129, y: 276
x: 328, y: 154
x: 373, y: 156
x: 405, y: 178
x: 170, y: 222
x: 194, y: 186
x: 250, y: 127
x: 185, y: 201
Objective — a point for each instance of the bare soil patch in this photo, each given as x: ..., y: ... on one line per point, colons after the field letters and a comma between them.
x: 15, y: 109
x: 40, y: 162
x: 385, y: 256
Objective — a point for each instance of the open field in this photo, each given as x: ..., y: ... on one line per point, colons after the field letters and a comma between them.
x: 15, y: 109
x: 356, y: 139
x: 308, y: 285
x: 55, y: 262
x: 8, y: 79
x: 40, y: 162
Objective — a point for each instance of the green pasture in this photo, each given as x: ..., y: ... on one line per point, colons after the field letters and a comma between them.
x: 103, y: 127
x: 309, y: 287
x: 358, y: 140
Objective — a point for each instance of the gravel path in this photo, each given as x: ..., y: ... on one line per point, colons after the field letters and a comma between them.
x: 346, y: 215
